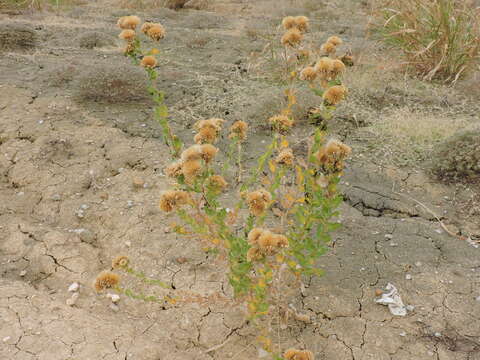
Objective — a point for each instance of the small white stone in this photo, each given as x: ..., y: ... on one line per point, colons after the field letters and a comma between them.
x: 403, y: 333
x: 410, y: 308
x: 408, y: 277
x: 6, y: 338
x: 23, y: 273
x: 128, y: 243
x: 477, y: 298
x: 114, y: 307
x: 73, y: 299
x: 84, y: 206
x: 431, y: 353
x: 438, y: 231
x: 389, y: 236
x: 392, y: 244
x: 115, y: 298
x: 74, y: 287
x: 437, y: 334
x: 418, y: 264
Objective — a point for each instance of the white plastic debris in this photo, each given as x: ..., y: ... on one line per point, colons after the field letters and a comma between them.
x: 74, y: 287
x: 392, y: 299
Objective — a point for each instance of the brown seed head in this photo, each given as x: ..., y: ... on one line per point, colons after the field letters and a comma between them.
x: 258, y: 201
x: 238, y: 130
x: 292, y: 37
x: 156, y: 32
x: 338, y: 68
x: 294, y: 354
x: 206, y: 135
x: 301, y: 23
x: 120, y: 262
x: 328, y: 48
x: 191, y: 169
x: 128, y: 22
x: 324, y: 66
x: 254, y: 234
x: 267, y: 242
x: 308, y: 74
x: 217, y: 182
x: 289, y: 22
x: 172, y: 199
x: 208, y: 152
x: 254, y: 254
x: 106, y: 280
x: 127, y: 35
x: 174, y: 169
x: 335, y: 40
x: 281, y: 241
x: 281, y: 123
x: 333, y: 154
x: 285, y: 157
x: 146, y: 26
x: 193, y: 152
x: 149, y: 61
x: 335, y: 94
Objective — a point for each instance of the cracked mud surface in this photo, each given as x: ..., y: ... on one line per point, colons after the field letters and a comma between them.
x: 68, y: 205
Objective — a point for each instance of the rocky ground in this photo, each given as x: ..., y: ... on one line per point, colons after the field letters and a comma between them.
x: 82, y: 167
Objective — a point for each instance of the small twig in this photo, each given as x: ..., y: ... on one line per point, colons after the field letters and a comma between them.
x: 216, y: 347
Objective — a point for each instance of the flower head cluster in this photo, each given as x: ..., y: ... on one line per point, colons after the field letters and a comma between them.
x: 335, y: 94
x: 128, y: 22
x: 264, y: 242
x: 258, y: 201
x: 330, y: 46
x: 172, y: 199
x: 332, y: 155
x: 294, y: 354
x: 149, y: 61
x: 281, y: 123
x: 217, y: 183
x: 238, y: 130
x: 190, y: 164
x: 308, y: 74
x: 298, y: 22
x: 106, y: 280
x: 292, y: 37
x: 120, y: 262
x: 208, y: 130
x: 285, y: 157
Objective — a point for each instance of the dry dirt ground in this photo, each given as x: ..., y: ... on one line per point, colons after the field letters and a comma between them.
x: 68, y: 203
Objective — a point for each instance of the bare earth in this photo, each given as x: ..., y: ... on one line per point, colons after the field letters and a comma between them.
x: 68, y: 203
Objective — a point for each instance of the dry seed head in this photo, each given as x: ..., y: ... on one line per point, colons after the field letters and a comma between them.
x: 127, y: 35
x: 335, y: 40
x: 120, y: 262
x: 257, y: 201
x: 294, y: 354
x: 213, y: 123
x: 301, y: 23
x: 281, y: 241
x: 324, y: 66
x: 267, y: 241
x: 129, y: 48
x: 347, y: 60
x: 172, y: 199
x: 120, y: 21
x: 217, y: 182
x: 335, y: 94
x: 281, y: 122
x: 308, y: 74
x: 338, y: 67
x: 156, y: 32
x: 128, y: 22
x: 106, y: 280
x: 193, y: 152
x: 191, y: 169
x: 289, y: 22
x: 285, y: 157
x: 174, y: 169
x: 292, y: 37
x: 333, y: 154
x: 206, y: 135
x: 238, y: 130
x: 254, y: 254
x: 146, y: 26
x: 254, y: 234
x: 208, y: 152
x: 149, y: 61
x: 328, y: 48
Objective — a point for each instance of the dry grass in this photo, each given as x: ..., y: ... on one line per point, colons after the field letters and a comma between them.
x: 170, y: 4
x: 439, y: 38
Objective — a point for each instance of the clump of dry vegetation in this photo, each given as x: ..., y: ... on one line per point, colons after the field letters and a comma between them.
x: 440, y: 39
x: 17, y: 36
x: 458, y: 158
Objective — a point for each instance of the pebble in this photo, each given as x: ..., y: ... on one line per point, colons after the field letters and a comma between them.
x: 86, y: 235
x: 114, y: 297
x: 403, y: 333
x: 410, y: 308
x: 114, y: 307
x: 389, y: 236
x: 437, y: 334
x: 408, y: 277
x: 73, y: 299
x: 138, y: 182
x: 74, y: 287
x: 128, y: 243
x: 393, y: 244
x: 6, y: 338
x: 378, y: 292
x: 130, y: 203
x: 418, y: 264
x: 56, y: 197
x: 23, y: 273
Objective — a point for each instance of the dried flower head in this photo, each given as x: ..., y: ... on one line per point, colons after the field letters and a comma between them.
x: 146, y: 26
x: 208, y: 152
x: 292, y: 37
x: 335, y: 94
x: 289, y: 22
x: 238, y: 130
x: 294, y: 354
x: 172, y: 199
x: 174, y: 169
x: 303, y: 54
x: 193, y: 152
x: 301, y: 23
x: 324, y: 66
x: 128, y: 22
x: 127, y: 35
x: 281, y: 241
x: 217, y: 183
x: 347, y: 60
x: 106, y: 280
x: 285, y: 157
x: 149, y: 61
x: 308, y: 74
x: 156, y: 32
x: 335, y: 40
x: 206, y: 135
x: 332, y: 155
x: 254, y: 254
x: 258, y: 201
x: 328, y: 48
x: 191, y: 169
x: 267, y: 242
x: 281, y: 123
x: 120, y: 262
x: 213, y: 123
x: 338, y: 67
x: 254, y: 235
